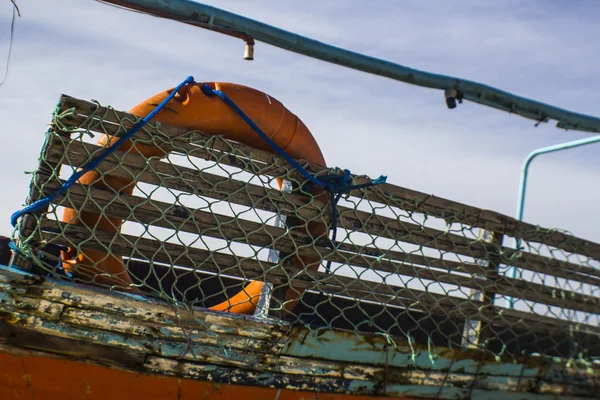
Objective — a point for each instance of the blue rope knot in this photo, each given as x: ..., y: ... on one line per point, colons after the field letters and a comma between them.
x: 341, y: 184
x: 338, y: 184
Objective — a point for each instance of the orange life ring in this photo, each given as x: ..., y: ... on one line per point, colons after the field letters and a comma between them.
x: 192, y: 109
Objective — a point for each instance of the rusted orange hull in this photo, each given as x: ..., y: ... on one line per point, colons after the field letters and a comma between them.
x: 44, y: 378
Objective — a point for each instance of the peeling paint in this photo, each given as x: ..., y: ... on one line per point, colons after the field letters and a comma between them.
x: 226, y: 349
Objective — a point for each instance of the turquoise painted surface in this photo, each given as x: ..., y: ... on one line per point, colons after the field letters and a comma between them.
x: 377, y: 351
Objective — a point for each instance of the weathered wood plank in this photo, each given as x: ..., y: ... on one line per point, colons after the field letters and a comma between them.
x: 35, y: 306
x: 180, y: 333
x: 405, y: 383
x: 172, y: 253
x: 367, y: 358
x: 183, y: 219
x: 301, y: 206
x: 217, y: 355
x: 271, y: 200
x: 16, y: 339
x: 404, y: 198
x: 336, y: 284
x: 93, y: 298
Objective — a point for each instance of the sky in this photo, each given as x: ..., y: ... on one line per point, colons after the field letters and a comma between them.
x: 545, y: 50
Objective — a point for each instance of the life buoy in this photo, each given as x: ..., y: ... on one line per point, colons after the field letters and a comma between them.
x: 192, y: 109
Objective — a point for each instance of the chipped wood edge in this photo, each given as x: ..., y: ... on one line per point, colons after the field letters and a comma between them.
x: 251, y: 353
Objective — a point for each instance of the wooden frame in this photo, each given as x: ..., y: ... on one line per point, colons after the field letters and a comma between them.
x: 463, y: 274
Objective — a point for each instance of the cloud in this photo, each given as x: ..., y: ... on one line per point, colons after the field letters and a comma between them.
x: 366, y: 123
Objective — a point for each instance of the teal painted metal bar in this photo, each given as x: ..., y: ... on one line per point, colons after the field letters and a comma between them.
x: 512, y: 272
x: 455, y: 89
x: 533, y: 155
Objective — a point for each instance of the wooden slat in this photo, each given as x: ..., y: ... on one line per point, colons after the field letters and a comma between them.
x: 79, y: 152
x: 223, y: 188
x: 183, y: 219
x: 404, y: 198
x: 209, y: 261
x: 539, y: 263
x: 45, y: 175
x: 526, y: 258
x: 453, y: 211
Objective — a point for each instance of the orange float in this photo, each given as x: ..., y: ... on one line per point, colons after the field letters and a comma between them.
x: 192, y: 109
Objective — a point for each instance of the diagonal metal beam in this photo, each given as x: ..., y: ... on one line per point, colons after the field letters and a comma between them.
x: 455, y: 89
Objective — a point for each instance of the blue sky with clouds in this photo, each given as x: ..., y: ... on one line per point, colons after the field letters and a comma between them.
x: 546, y: 50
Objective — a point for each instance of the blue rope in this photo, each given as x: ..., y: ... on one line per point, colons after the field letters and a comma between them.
x: 92, y: 164
x: 336, y: 185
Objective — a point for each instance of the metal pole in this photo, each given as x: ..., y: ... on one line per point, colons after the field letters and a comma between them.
x: 512, y: 272
x: 534, y: 154
x: 455, y: 89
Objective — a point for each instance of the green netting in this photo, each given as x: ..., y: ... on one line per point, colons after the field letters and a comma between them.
x: 209, y: 217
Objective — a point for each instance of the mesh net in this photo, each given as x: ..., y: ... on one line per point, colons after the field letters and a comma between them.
x: 209, y: 218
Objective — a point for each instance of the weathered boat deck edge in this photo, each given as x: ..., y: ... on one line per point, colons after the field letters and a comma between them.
x: 51, y: 318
